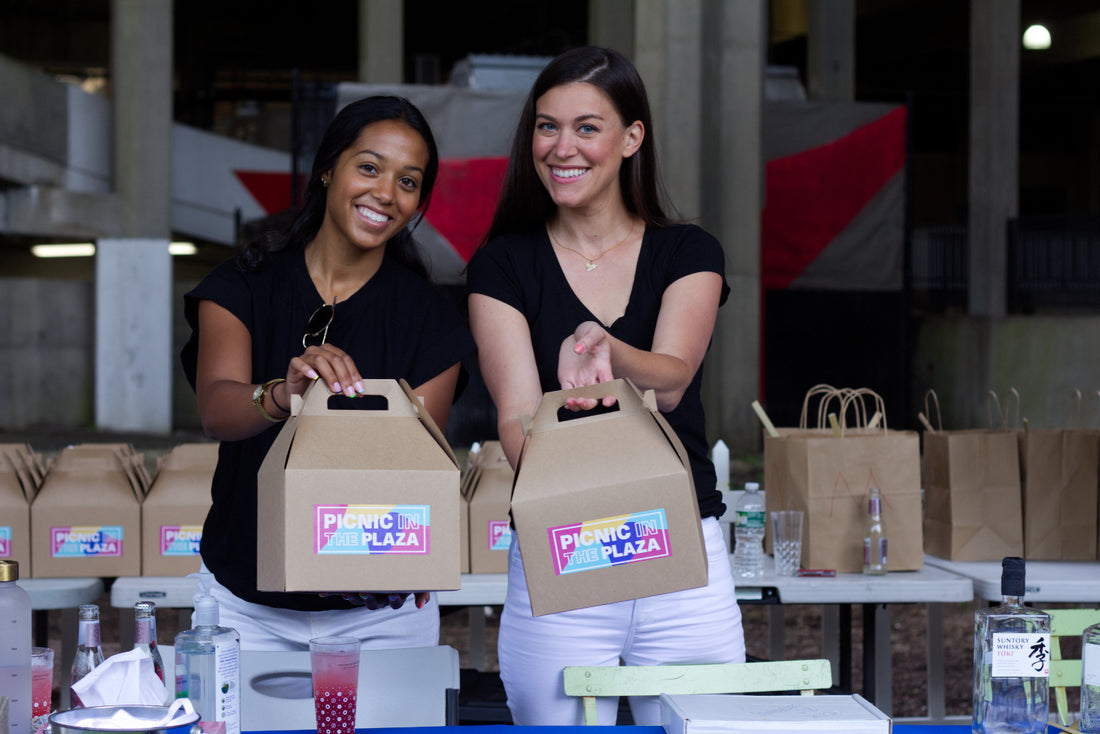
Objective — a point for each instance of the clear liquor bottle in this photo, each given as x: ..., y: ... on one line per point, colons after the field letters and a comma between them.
x: 89, y: 653
x: 874, y: 536
x: 1090, y: 680
x: 145, y: 634
x: 1011, y: 661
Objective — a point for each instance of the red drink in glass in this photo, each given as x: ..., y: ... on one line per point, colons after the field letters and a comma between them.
x: 335, y: 664
x: 41, y: 680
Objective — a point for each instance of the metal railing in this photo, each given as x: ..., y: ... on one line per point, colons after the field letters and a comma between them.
x: 1052, y: 263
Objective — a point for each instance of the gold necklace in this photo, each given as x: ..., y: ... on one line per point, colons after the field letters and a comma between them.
x: 590, y: 262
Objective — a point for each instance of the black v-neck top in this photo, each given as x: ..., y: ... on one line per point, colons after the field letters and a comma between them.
x: 523, y: 271
x: 397, y: 325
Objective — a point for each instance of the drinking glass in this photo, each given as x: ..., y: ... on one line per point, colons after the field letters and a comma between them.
x: 787, y: 541
x: 41, y: 680
x: 335, y: 665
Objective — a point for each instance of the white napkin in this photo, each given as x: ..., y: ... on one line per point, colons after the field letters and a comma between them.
x: 125, y: 679
x: 123, y: 721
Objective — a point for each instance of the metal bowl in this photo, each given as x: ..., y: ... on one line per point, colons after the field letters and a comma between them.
x: 85, y: 720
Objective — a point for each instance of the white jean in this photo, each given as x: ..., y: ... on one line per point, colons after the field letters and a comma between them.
x: 694, y: 626
x: 271, y: 628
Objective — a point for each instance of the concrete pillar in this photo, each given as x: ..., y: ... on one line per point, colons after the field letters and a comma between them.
x: 668, y: 54
x: 831, y: 50
x: 611, y: 25
x: 382, y: 41
x: 994, y: 147
x: 735, y: 40
x: 133, y: 287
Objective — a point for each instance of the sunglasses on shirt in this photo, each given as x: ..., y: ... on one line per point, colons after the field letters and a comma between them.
x: 318, y: 324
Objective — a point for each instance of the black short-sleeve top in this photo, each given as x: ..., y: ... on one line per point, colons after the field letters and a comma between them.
x: 522, y: 271
x: 397, y: 325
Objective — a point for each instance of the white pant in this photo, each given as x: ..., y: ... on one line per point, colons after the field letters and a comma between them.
x: 271, y: 628
x: 695, y: 626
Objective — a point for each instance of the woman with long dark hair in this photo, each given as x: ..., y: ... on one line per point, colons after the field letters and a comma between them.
x: 584, y: 279
x: 341, y: 296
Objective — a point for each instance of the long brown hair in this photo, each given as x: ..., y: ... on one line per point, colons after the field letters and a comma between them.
x: 524, y: 203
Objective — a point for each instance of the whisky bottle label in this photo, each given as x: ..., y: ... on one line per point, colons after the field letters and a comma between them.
x: 1090, y: 669
x: 1021, y: 655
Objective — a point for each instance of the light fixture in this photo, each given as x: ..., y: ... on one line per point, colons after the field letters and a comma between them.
x: 76, y: 249
x: 1037, y: 38
x: 87, y: 249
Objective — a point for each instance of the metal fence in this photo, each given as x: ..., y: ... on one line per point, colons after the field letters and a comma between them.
x: 1052, y: 263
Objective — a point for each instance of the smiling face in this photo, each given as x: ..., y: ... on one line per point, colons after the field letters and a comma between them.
x: 375, y: 187
x: 579, y: 145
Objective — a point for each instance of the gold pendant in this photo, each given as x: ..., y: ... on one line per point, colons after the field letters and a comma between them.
x: 590, y: 266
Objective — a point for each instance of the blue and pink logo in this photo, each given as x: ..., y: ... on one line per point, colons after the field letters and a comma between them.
x: 5, y: 541
x: 180, y: 540
x: 87, y: 541
x: 372, y: 529
x: 500, y: 535
x: 611, y: 541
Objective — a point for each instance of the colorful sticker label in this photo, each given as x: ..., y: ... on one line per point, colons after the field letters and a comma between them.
x: 611, y: 541
x: 5, y: 541
x: 1021, y: 655
x: 86, y: 541
x: 500, y: 535
x: 371, y: 529
x: 180, y: 540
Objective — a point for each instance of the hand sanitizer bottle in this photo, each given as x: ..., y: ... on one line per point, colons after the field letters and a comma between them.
x: 208, y: 665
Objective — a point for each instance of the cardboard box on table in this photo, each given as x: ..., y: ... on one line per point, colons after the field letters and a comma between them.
x: 359, y: 499
x: 823, y: 714
x: 604, y: 505
x: 490, y: 494
x: 86, y: 518
x: 174, y: 511
x: 827, y: 473
x: 20, y: 476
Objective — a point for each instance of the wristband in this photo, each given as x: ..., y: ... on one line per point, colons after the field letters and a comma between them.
x: 258, y: 400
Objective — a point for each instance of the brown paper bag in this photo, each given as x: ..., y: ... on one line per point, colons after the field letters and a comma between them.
x: 827, y: 472
x: 1058, y: 472
x: 972, y: 510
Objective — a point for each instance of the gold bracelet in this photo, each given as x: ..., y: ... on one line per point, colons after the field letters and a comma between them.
x: 258, y: 400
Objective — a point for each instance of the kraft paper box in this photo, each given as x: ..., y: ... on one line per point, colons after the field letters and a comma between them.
x: 20, y: 477
x: 490, y: 495
x: 822, y: 714
x: 604, y: 505
x: 173, y: 512
x: 86, y: 518
x: 359, y: 499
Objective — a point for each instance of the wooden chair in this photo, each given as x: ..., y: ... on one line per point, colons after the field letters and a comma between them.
x: 652, y: 680
x: 1066, y: 673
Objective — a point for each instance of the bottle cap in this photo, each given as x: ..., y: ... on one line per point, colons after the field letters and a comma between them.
x: 1012, y: 576
x: 752, y: 486
x: 206, y: 606
x: 9, y: 570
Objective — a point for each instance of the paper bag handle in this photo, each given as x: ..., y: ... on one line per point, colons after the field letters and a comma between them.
x: 628, y: 397
x: 828, y: 393
x: 926, y: 416
x: 314, y: 401
x: 860, y: 408
x: 1005, y: 414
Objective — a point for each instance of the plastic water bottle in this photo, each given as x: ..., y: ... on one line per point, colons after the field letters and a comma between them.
x: 15, y: 648
x: 748, y: 533
x: 208, y: 664
x: 1090, y: 679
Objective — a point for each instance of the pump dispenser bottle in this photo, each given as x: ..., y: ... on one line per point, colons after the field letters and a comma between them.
x: 208, y: 664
